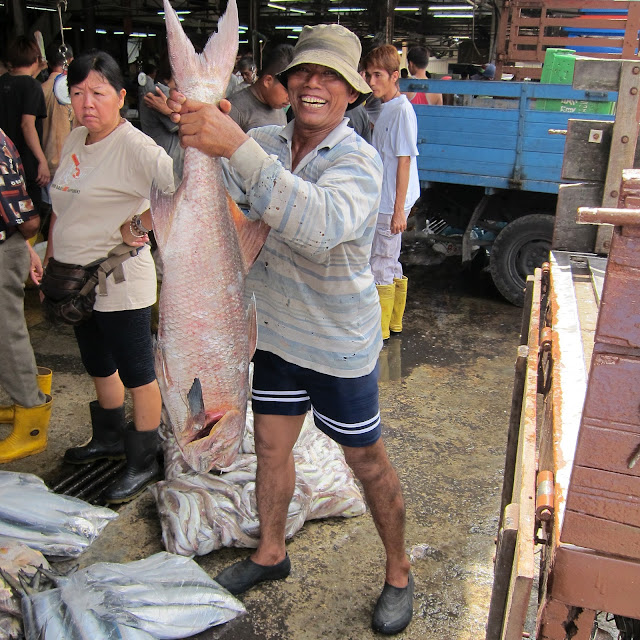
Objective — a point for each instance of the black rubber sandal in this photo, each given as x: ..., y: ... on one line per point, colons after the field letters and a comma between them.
x: 394, y: 609
x: 244, y: 575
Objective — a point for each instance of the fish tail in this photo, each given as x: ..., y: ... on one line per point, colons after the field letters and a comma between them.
x: 214, y: 65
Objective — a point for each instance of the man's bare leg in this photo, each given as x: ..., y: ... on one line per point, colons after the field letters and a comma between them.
x: 383, y: 494
x: 275, y: 482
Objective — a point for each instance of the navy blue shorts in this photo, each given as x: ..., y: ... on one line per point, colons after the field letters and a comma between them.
x: 119, y: 341
x: 346, y: 409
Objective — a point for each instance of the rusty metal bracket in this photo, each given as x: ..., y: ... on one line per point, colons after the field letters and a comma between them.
x: 545, y: 361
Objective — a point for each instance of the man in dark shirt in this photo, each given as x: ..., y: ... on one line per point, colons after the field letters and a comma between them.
x: 22, y: 109
x: 31, y: 407
x: 263, y: 102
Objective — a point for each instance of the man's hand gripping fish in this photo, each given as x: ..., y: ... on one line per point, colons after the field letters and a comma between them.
x: 207, y: 335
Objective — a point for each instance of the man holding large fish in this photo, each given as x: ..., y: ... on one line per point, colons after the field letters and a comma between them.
x: 316, y: 184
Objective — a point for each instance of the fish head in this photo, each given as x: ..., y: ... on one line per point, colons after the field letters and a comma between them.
x: 212, y: 439
x: 203, y: 76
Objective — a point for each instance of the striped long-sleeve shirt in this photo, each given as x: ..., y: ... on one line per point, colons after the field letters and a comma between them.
x: 317, y: 302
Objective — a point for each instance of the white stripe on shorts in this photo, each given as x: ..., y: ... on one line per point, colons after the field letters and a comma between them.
x: 345, y: 427
x: 279, y: 396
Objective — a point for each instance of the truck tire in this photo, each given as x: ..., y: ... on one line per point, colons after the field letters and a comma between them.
x: 521, y: 247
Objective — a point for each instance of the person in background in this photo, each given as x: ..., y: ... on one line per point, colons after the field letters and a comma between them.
x: 316, y: 183
x: 60, y: 118
x: 155, y: 120
x: 417, y: 61
x: 359, y: 121
x: 22, y: 111
x: 58, y: 123
x: 263, y: 102
x: 395, y: 136
x: 488, y: 73
x: 244, y: 76
x: 29, y: 391
x: 104, y: 180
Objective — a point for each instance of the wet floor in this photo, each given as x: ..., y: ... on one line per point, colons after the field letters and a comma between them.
x: 445, y: 395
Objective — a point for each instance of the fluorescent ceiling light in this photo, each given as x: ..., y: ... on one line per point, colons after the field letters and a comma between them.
x: 293, y: 37
x: 243, y: 42
x: 345, y: 9
x: 30, y: 6
x: 137, y: 35
x: 276, y: 6
x: 100, y: 31
x: 287, y: 28
x: 453, y: 15
x: 414, y: 9
x: 449, y: 7
x: 180, y: 13
x: 118, y: 33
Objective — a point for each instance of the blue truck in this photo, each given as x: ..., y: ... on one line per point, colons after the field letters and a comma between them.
x: 490, y: 169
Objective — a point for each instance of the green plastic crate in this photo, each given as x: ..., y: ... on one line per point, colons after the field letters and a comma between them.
x: 558, y: 69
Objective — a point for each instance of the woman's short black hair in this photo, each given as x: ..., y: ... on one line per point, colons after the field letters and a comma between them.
x: 100, y: 62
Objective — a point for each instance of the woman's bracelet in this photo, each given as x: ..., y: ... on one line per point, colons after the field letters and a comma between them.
x: 135, y: 232
x: 136, y: 221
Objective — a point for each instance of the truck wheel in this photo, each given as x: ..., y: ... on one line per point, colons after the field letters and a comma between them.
x: 521, y: 247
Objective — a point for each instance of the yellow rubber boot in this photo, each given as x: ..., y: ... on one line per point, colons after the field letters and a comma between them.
x: 386, y: 293
x: 29, y: 433
x: 44, y: 384
x: 399, y: 303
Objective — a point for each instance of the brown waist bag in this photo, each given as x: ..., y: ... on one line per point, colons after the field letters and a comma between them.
x: 70, y: 289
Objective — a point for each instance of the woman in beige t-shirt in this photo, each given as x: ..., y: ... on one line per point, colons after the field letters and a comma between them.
x: 104, y: 179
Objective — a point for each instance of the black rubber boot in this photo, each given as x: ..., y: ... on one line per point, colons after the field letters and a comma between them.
x: 141, y: 448
x: 107, y: 440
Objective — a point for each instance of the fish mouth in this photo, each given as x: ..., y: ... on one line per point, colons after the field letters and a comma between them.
x: 210, y: 421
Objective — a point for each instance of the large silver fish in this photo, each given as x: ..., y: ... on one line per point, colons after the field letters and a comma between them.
x: 206, y: 334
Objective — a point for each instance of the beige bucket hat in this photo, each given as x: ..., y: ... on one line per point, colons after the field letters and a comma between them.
x: 333, y: 46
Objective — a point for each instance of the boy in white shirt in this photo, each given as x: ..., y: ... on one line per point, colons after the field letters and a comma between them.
x: 395, y: 138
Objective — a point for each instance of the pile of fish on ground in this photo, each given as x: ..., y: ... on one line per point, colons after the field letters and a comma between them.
x: 163, y: 596
x: 202, y: 512
x: 58, y: 526
x: 17, y: 563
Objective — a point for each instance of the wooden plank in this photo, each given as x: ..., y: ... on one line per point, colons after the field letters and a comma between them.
x: 629, y: 49
x: 586, y: 158
x: 551, y: 161
x: 617, y: 23
x: 623, y: 143
x: 454, y: 152
x: 514, y: 428
x: 486, y: 140
x: 557, y: 620
x: 609, y: 374
x: 524, y: 487
x: 560, y: 41
x: 566, y: 232
x: 461, y: 166
x: 569, y: 380
x: 502, y: 571
x: 583, y: 578
x: 601, y: 535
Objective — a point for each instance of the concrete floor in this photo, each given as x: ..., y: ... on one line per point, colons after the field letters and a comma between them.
x: 445, y: 396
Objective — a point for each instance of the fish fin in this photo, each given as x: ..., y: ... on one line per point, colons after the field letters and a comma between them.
x: 252, y: 234
x: 195, y: 399
x: 161, y: 371
x: 252, y: 315
x: 212, y: 68
x: 161, y: 215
